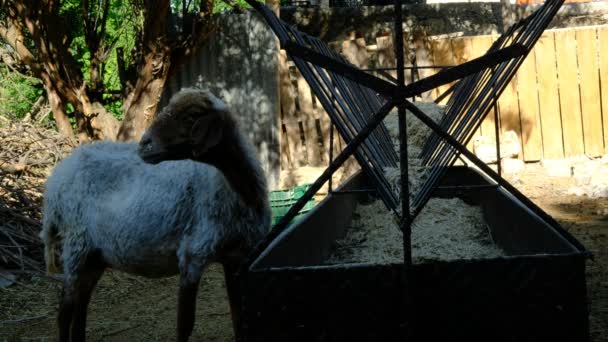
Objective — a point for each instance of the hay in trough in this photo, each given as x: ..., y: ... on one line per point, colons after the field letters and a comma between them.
x: 446, y: 229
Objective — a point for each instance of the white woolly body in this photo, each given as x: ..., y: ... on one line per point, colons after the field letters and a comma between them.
x: 141, y: 218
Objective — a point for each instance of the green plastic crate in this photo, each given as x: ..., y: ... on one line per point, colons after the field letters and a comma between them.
x: 282, y: 200
x: 295, y: 193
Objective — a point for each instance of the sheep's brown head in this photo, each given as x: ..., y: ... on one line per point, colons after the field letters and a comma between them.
x: 190, y: 126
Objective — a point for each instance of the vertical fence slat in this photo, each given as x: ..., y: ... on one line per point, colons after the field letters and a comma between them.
x: 602, y: 38
x: 509, y: 111
x: 297, y: 152
x: 424, y: 57
x: 480, y: 46
x: 442, y: 55
x: 290, y: 120
x: 308, y: 121
x: 590, y: 92
x: 528, y: 109
x: 463, y: 52
x: 287, y: 105
x: 325, y: 126
x: 385, y: 53
x: 553, y: 147
x: 570, y: 107
x: 355, y: 51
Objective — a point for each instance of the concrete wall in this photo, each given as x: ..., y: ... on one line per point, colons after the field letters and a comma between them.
x: 239, y: 64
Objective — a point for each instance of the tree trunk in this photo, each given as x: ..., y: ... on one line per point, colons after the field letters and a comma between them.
x: 140, y: 107
x: 58, y: 108
x: 92, y: 119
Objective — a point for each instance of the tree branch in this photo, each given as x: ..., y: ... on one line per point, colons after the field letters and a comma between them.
x: 12, y: 35
x: 104, y: 18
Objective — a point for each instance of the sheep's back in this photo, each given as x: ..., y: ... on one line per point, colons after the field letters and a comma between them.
x: 106, y: 191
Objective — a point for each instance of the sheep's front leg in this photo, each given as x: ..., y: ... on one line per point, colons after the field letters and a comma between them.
x: 86, y: 284
x: 190, y: 277
x: 82, y: 270
x: 75, y: 296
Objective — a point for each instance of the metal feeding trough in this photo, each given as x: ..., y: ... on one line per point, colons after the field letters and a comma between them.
x: 535, y: 293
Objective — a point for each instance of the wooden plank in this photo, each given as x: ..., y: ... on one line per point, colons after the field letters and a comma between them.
x: 385, y: 56
x: 284, y: 147
x: 385, y: 51
x: 462, y: 48
x: 590, y: 92
x: 290, y: 120
x: 325, y: 125
x: 408, y: 55
x: 569, y: 100
x: 553, y: 147
x: 355, y: 51
x: 297, y: 151
x: 602, y: 38
x: 508, y: 108
x: 424, y: 57
x: 528, y: 110
x: 480, y: 46
x: 288, y: 108
x: 443, y: 56
x: 307, y: 117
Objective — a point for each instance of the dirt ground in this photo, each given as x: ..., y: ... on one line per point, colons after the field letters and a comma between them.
x: 123, y: 308
x: 584, y: 218
x: 127, y: 308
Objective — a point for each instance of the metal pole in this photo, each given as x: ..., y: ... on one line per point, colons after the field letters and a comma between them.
x: 406, y: 227
x: 331, y: 155
x: 497, y: 132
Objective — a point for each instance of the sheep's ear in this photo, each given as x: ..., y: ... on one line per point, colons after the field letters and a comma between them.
x: 206, y: 132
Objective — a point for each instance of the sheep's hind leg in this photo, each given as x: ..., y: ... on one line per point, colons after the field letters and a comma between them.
x: 66, y: 310
x: 190, y: 276
x: 81, y: 276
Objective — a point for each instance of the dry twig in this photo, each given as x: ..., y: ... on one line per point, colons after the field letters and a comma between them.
x: 27, y: 155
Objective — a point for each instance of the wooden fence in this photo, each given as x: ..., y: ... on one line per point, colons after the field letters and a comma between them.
x: 557, y: 102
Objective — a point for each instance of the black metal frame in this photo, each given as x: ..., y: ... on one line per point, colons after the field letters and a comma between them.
x: 357, y: 102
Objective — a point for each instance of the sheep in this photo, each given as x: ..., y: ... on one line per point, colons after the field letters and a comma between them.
x: 191, y: 193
